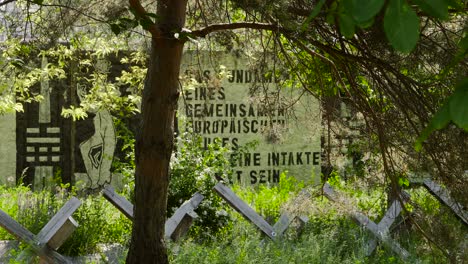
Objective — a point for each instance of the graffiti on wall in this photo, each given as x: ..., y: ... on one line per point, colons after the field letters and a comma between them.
x: 253, y: 105
x: 52, y: 149
x: 97, y: 150
x: 242, y: 108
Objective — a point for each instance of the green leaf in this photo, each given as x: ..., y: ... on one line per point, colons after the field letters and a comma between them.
x: 435, y: 8
x: 459, y: 56
x: 403, y: 182
x: 458, y: 105
x: 456, y: 4
x: 365, y: 24
x: 365, y: 10
x: 330, y: 18
x: 441, y: 118
x: 347, y: 26
x: 463, y: 44
x: 116, y: 29
x: 439, y: 121
x: 153, y: 15
x: 123, y: 24
x: 146, y: 23
x: 455, y: 109
x: 39, y: 2
x: 18, y: 63
x: 401, y: 25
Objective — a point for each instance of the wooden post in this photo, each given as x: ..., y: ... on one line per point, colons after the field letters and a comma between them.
x: 63, y: 233
x: 443, y: 195
x: 50, y: 238
x: 118, y: 201
x: 176, y: 226
x: 61, y: 221
x: 384, y: 225
x: 240, y: 206
x: 368, y: 224
x: 285, y: 221
x: 286, y: 218
x: 182, y: 219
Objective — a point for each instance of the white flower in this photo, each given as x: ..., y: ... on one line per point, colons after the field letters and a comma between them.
x: 221, y: 213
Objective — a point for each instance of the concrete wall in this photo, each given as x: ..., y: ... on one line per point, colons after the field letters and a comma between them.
x: 240, y: 103
x: 8, y: 149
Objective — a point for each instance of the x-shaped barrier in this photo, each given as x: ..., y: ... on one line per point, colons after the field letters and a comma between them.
x: 380, y: 231
x: 444, y: 196
x: 49, y: 239
x: 384, y: 225
x: 175, y: 227
x: 273, y: 232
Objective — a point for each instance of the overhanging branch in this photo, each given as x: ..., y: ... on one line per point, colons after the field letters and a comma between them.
x: 141, y: 13
x: 201, y: 33
x: 2, y: 3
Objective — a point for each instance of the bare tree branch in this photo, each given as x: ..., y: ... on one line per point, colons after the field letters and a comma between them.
x: 201, y: 33
x: 80, y: 12
x: 6, y: 2
x: 141, y: 13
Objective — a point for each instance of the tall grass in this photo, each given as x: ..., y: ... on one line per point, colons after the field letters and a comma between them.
x: 99, y: 222
x: 330, y: 236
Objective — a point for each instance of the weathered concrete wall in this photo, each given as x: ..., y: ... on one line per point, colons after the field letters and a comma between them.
x: 250, y: 104
x: 8, y: 149
x: 244, y: 107
x: 41, y: 148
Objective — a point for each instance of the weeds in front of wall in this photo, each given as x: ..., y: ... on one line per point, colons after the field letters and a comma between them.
x: 330, y: 236
x: 98, y: 221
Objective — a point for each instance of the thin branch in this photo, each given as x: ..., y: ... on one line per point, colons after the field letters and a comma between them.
x: 141, y: 13
x: 323, y: 58
x: 83, y: 13
x: 201, y: 33
x: 6, y: 2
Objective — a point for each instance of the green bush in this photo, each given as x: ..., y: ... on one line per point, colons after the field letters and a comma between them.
x: 330, y: 236
x: 99, y: 223
x: 195, y: 169
x: 267, y: 200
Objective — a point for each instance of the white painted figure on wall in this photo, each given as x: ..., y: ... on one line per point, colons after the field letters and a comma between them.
x: 98, y: 150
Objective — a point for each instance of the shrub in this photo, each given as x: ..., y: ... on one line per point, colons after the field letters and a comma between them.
x: 267, y: 200
x: 195, y: 169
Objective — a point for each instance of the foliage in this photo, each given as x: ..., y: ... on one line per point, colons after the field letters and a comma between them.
x: 401, y: 21
x: 455, y: 109
x: 125, y: 165
x: 97, y: 89
x: 329, y: 237
x: 268, y: 200
x: 86, y: 62
x: 244, y: 246
x: 19, y: 75
x: 438, y: 222
x: 195, y: 169
x: 100, y: 223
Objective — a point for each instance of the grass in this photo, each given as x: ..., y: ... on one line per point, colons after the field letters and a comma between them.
x: 99, y: 222
x: 329, y: 237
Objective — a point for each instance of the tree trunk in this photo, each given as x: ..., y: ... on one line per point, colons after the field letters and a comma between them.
x: 155, y: 139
